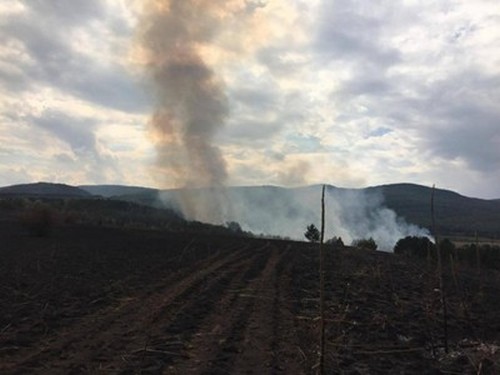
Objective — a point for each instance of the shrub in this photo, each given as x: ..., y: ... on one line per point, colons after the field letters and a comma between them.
x: 38, y: 219
x: 234, y: 227
x: 447, y: 247
x: 335, y: 242
x: 489, y: 255
x: 415, y: 246
x: 368, y: 244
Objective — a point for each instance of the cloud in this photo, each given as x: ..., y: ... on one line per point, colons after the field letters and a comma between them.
x: 49, y: 44
x: 78, y: 133
x: 69, y: 103
x: 354, y: 33
x: 418, y: 72
x: 360, y: 92
x: 69, y: 13
x: 460, y: 120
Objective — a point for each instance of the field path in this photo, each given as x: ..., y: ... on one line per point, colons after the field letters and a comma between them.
x: 226, y: 314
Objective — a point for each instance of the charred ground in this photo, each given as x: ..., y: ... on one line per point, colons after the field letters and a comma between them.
x: 90, y: 299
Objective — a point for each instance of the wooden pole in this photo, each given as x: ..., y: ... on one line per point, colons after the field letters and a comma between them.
x: 440, y: 272
x: 478, y: 255
x: 322, y: 287
x: 478, y: 265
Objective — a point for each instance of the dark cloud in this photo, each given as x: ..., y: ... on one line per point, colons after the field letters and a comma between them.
x: 463, y: 120
x: 349, y: 33
x: 76, y: 132
x: 68, y: 12
x: 112, y: 88
x: 265, y: 115
x: 258, y: 132
x: 44, y: 35
x: 89, y: 158
x: 261, y: 97
x: 454, y: 118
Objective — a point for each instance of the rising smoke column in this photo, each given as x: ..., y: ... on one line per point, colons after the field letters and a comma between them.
x: 191, y: 105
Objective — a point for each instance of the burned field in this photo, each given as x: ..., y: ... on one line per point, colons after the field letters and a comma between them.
x: 104, y: 300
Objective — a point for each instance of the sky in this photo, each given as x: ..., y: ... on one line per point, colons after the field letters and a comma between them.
x: 347, y: 92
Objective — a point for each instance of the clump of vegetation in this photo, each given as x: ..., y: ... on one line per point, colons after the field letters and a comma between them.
x: 415, y: 246
x: 234, y: 227
x: 38, y: 219
x: 470, y: 254
x: 367, y: 244
x: 423, y: 247
x: 312, y: 233
x: 335, y: 242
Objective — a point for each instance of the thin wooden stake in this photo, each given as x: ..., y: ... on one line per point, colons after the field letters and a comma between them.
x: 322, y: 287
x: 453, y: 267
x: 478, y: 265
x: 440, y: 272
x: 478, y: 254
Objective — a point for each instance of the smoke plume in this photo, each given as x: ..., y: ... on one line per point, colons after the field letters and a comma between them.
x: 350, y: 213
x: 178, y: 42
x: 191, y: 105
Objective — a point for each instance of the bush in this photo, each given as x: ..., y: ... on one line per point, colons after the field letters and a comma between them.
x: 335, y: 242
x: 421, y: 247
x: 234, y: 227
x: 368, y: 244
x: 38, y: 219
x: 489, y: 256
x: 415, y: 246
x: 447, y: 247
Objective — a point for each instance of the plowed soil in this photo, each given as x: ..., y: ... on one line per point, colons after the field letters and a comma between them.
x: 90, y: 300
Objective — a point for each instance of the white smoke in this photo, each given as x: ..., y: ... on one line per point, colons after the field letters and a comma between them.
x: 177, y: 42
x: 351, y: 214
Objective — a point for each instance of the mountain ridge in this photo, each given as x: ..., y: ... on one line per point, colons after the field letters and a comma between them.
x: 456, y: 214
x: 44, y: 189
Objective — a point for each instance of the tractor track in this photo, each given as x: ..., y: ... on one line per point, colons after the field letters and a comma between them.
x: 244, y: 333
x: 73, y: 349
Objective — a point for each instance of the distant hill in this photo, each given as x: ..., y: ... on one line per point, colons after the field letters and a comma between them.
x: 44, y: 190
x: 455, y: 213
x: 108, y: 191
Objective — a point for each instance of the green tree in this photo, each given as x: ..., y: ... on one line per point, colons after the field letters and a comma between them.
x: 312, y: 233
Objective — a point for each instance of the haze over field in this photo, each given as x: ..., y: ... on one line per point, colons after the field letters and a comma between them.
x: 350, y: 213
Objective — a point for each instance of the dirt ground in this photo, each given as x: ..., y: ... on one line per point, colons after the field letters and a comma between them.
x: 90, y: 300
